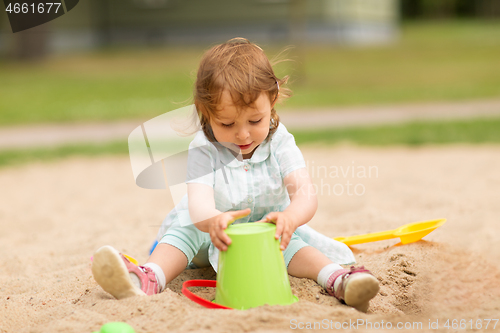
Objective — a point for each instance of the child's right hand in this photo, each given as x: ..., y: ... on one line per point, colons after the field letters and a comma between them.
x: 216, y: 229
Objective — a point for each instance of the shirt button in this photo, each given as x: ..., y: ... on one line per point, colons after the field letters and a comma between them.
x: 246, y: 167
x: 250, y: 200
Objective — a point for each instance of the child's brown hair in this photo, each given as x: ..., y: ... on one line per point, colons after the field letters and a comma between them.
x: 241, y: 68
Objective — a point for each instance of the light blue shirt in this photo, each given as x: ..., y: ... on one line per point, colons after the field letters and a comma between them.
x: 256, y: 183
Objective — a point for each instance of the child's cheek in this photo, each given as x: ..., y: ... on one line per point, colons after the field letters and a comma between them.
x: 263, y: 132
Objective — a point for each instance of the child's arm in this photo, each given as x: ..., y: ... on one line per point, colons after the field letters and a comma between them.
x: 303, y: 205
x: 208, y: 219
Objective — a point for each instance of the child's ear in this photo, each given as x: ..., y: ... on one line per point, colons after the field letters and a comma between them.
x: 275, y: 100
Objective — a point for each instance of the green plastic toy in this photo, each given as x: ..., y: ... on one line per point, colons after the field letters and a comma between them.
x: 251, y: 273
x: 407, y: 233
x: 116, y: 327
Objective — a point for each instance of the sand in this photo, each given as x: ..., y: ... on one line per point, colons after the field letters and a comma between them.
x: 53, y: 216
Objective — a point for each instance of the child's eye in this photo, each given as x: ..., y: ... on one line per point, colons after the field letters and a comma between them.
x: 227, y: 125
x: 256, y: 122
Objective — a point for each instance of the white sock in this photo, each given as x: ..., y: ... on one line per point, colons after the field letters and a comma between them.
x: 160, y: 276
x: 325, y: 273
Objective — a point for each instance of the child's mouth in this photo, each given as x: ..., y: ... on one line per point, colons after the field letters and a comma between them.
x: 244, y: 147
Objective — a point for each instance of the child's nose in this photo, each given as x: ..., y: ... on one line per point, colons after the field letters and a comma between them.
x: 242, y: 133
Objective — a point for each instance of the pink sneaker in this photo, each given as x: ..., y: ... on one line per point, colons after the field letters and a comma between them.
x: 357, y: 287
x: 115, y: 274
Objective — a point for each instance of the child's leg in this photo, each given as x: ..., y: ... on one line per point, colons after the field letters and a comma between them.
x: 121, y: 278
x: 170, y: 259
x: 307, y: 263
x: 353, y: 286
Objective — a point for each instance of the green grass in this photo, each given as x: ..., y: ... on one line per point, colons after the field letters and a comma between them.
x: 475, y: 131
x: 454, y: 60
x: 96, y: 87
x: 410, y: 134
x: 23, y: 156
x: 433, y: 61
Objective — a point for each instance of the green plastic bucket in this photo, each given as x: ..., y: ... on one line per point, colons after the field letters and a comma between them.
x: 252, y: 272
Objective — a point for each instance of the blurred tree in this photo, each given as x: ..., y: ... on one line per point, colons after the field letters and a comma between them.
x: 415, y: 9
x: 410, y: 9
x: 298, y: 32
x: 31, y: 44
x: 100, y: 16
x: 488, y: 8
x: 439, y: 9
x: 466, y: 8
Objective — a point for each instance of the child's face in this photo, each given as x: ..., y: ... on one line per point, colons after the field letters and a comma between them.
x: 245, y: 130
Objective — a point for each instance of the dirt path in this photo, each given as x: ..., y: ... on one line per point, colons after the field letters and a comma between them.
x: 58, y: 134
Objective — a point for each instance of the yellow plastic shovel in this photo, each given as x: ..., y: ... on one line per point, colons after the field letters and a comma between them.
x: 407, y: 233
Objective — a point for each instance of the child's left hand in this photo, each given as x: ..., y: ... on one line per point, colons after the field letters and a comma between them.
x: 285, y: 227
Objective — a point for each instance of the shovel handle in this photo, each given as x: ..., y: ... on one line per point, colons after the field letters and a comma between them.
x: 376, y: 236
x: 198, y: 299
